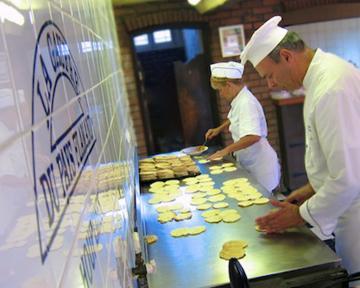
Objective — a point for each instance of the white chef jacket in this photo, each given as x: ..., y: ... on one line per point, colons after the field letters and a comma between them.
x: 247, y: 118
x: 332, y: 158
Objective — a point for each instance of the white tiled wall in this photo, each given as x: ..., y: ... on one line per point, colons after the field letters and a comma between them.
x: 340, y: 37
x: 66, y: 147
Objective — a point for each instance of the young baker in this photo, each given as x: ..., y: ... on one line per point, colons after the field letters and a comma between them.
x: 247, y: 124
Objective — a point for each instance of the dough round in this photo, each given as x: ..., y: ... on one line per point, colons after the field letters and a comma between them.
x: 245, y: 203
x: 220, y: 205
x: 228, y: 211
x: 150, y: 239
x: 198, y: 195
x: 204, y: 206
x: 210, y: 213
x: 213, y: 192
x: 261, y: 201
x: 217, y: 198
x: 192, y: 188
x: 226, y: 165
x: 198, y: 201
x: 215, y: 167
x: 235, y: 243
x: 216, y: 171
x: 196, y: 230
x: 179, y: 232
x: 172, y: 182
x: 228, y: 254
x: 230, y: 218
x: 213, y: 219
x: 157, y: 184
x: 183, y: 216
x: 230, y: 169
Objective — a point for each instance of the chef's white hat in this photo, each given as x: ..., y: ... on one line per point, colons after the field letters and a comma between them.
x: 231, y: 70
x: 263, y: 41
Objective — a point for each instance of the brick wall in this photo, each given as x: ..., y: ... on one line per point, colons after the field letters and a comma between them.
x: 140, y: 17
x: 251, y: 13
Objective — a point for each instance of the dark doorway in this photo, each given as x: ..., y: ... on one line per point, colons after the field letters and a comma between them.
x: 157, y: 54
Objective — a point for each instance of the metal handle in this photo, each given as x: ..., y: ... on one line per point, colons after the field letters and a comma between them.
x: 237, y: 275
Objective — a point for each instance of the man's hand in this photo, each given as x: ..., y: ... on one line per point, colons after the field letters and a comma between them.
x: 286, y: 216
x: 218, y: 154
x: 300, y: 195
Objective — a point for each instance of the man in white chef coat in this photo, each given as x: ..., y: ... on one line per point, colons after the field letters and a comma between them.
x: 247, y: 124
x: 331, y: 199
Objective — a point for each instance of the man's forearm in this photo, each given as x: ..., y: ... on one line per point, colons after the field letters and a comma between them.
x: 307, y: 188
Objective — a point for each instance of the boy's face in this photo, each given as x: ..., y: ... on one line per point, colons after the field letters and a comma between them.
x: 227, y: 92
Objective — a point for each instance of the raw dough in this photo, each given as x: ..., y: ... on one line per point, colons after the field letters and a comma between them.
x: 261, y: 201
x: 217, y: 171
x: 150, y: 239
x: 204, y: 206
x: 217, y: 198
x: 183, y: 216
x: 245, y: 203
x: 198, y: 201
x: 197, y: 230
x: 230, y: 218
x: 220, y: 205
x: 225, y: 165
x: 230, y: 169
x: 233, y: 243
x: 157, y: 184
x: 213, y: 192
x: 213, y: 219
x: 179, y: 232
x: 233, y: 249
x: 228, y: 254
x: 172, y: 182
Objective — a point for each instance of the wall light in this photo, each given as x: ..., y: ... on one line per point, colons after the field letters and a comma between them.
x: 193, y: 2
x: 205, y: 6
x: 9, y: 13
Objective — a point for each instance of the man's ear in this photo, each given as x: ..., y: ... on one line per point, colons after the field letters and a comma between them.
x: 286, y: 55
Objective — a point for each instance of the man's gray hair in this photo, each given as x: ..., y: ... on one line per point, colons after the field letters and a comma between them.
x: 291, y: 41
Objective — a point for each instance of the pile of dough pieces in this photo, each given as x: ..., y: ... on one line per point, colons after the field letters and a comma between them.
x: 233, y: 249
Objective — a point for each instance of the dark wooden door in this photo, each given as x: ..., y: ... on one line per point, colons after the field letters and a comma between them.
x: 292, y: 141
x: 194, y: 98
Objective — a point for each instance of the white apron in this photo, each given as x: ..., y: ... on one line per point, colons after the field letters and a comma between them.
x: 247, y: 118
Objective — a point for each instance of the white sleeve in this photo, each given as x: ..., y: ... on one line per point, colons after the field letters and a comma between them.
x: 337, y: 118
x: 250, y: 120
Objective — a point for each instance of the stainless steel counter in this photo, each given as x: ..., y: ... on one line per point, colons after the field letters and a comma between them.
x: 194, y: 261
